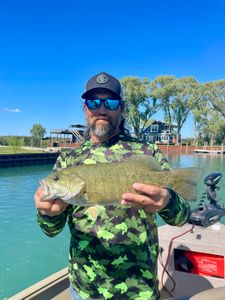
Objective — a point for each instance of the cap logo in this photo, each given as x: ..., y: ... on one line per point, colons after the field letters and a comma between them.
x: 102, y: 78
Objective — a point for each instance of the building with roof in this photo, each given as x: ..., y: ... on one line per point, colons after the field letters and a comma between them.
x: 71, y: 137
x: 160, y: 132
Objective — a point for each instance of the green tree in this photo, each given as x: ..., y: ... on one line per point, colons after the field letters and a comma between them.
x: 162, y: 88
x: 214, y: 91
x: 209, y: 113
x: 140, y: 106
x: 4, y: 141
x: 213, y: 131
x: 186, y: 98
x: 178, y: 97
x: 210, y: 124
x: 37, y: 132
x: 15, y: 142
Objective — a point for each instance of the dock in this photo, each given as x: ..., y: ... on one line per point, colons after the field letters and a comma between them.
x: 209, y: 151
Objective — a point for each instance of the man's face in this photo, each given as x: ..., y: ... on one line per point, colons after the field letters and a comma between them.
x: 102, y: 122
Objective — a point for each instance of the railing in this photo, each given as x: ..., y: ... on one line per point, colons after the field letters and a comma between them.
x: 168, y: 131
x: 78, y: 136
x: 58, y: 130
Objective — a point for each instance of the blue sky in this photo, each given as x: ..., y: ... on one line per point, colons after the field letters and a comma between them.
x: 50, y: 48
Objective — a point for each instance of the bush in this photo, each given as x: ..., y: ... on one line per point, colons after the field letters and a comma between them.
x: 15, y: 142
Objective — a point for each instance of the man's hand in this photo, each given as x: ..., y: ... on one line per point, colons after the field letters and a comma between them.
x: 150, y: 198
x: 49, y: 207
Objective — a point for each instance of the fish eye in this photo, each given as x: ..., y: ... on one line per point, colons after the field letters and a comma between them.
x: 55, y: 177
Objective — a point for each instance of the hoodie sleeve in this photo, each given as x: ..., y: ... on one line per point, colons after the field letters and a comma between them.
x: 52, y: 226
x: 177, y: 211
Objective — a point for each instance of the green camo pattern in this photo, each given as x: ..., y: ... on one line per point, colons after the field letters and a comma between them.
x: 114, y: 248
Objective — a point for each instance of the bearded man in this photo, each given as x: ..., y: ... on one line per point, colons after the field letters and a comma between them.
x: 114, y: 248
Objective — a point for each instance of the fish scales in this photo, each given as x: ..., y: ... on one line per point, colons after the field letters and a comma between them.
x: 104, y: 183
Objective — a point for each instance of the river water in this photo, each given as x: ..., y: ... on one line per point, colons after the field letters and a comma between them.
x: 26, y: 254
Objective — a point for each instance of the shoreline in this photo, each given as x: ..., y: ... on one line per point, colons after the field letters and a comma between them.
x: 25, y: 159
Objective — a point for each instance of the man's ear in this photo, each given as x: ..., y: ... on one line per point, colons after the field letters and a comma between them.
x: 84, y: 107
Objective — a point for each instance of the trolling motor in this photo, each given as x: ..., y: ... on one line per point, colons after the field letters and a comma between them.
x: 208, y: 214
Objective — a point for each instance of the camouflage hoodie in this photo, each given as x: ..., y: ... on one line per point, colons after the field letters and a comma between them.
x: 113, y: 249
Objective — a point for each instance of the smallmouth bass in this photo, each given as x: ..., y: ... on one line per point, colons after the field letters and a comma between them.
x: 104, y: 183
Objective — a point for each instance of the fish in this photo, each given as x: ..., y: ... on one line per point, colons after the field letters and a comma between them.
x: 104, y: 183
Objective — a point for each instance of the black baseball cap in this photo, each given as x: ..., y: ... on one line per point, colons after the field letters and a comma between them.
x: 103, y: 81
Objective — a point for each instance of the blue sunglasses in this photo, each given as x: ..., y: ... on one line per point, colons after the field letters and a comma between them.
x: 110, y: 104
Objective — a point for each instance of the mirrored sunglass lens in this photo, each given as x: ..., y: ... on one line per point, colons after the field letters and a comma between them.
x: 112, y: 104
x: 93, y: 104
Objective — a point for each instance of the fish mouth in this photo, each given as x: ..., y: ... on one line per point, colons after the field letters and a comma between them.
x: 54, y: 191
x: 46, y: 191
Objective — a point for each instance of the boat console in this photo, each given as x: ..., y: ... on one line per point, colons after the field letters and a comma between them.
x: 208, y: 214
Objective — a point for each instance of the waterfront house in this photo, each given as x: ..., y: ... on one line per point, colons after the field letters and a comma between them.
x: 160, y: 132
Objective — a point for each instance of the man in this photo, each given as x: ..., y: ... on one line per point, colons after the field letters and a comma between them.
x: 114, y: 248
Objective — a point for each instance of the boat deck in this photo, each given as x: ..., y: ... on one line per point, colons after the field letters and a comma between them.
x: 210, y: 284
x: 54, y: 287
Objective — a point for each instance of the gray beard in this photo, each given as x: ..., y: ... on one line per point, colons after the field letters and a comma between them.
x: 102, y: 131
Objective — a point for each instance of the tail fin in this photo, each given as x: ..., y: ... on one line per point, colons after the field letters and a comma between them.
x: 186, y: 183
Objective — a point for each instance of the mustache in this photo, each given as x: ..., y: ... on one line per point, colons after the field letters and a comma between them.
x: 102, y: 116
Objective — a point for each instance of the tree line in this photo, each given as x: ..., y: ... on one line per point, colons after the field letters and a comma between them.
x: 176, y: 97
x: 34, y: 140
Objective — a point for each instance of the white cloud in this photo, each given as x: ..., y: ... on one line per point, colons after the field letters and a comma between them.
x: 12, y: 110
